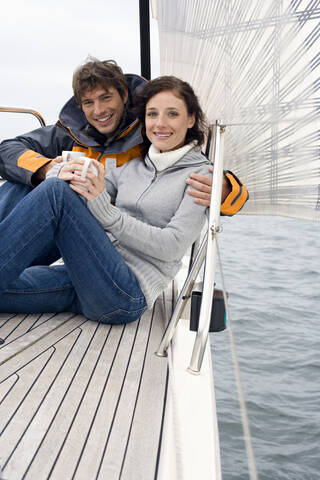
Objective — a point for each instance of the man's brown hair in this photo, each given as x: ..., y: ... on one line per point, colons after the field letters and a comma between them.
x: 96, y: 73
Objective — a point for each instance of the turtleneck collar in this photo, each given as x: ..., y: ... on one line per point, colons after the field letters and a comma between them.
x: 163, y: 160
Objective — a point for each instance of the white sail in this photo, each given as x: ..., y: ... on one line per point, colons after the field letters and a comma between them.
x: 255, y: 67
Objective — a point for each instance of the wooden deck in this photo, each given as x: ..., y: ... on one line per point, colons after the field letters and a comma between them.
x: 81, y: 400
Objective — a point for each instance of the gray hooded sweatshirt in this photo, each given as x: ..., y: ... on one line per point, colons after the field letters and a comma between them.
x: 154, y: 221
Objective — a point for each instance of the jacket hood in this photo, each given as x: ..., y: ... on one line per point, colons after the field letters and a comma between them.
x: 74, y: 121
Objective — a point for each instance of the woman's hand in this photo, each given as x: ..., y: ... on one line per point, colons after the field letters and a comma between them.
x: 92, y: 185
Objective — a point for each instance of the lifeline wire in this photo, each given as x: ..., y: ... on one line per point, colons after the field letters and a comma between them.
x: 243, y: 409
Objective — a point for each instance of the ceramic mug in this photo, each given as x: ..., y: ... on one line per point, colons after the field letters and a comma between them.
x: 88, y: 164
x: 68, y: 155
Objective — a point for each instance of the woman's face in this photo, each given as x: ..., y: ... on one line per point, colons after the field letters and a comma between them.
x: 167, y: 121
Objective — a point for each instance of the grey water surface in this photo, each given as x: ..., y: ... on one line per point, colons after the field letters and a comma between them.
x: 272, y: 274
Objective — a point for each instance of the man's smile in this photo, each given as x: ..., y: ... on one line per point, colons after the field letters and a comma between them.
x: 104, y: 119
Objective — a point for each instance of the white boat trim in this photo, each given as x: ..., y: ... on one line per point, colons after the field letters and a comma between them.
x: 190, y: 446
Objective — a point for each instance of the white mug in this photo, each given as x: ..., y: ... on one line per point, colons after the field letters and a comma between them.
x: 85, y: 167
x: 87, y: 164
x: 68, y: 155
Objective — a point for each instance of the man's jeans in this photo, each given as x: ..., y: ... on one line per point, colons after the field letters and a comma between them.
x: 39, y: 226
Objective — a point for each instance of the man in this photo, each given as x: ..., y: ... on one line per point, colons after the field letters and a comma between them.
x: 99, y: 122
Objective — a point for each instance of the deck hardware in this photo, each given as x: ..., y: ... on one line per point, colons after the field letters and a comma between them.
x: 215, y: 229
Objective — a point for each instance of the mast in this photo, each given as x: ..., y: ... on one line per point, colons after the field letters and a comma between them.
x: 145, y: 38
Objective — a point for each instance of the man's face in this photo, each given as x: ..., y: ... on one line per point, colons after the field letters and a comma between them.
x: 103, y: 108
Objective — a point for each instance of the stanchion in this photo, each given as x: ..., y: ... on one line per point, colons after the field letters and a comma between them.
x: 207, y: 251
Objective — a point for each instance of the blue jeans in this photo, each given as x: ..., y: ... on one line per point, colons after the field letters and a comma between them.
x: 37, y: 227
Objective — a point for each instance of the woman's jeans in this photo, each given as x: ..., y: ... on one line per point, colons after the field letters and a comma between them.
x: 39, y: 226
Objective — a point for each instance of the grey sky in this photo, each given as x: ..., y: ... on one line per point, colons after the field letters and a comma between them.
x: 43, y: 42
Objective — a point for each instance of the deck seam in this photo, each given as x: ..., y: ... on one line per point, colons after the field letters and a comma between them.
x: 99, y: 403
x: 26, y: 347
x: 39, y: 406
x: 119, y: 397
x: 137, y: 394
x: 62, y: 399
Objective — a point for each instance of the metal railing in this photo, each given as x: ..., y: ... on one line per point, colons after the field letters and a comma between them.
x: 28, y: 111
x: 24, y: 110
x: 207, y: 252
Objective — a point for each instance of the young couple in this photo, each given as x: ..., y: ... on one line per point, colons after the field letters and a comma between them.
x: 123, y: 236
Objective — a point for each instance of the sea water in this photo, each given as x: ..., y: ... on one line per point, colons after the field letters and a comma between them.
x: 272, y: 273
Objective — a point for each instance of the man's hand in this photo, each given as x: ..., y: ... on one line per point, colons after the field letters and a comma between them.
x: 203, y: 188
x: 68, y: 170
x: 40, y: 174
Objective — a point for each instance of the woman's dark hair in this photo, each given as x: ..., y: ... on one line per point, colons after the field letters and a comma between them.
x: 182, y: 90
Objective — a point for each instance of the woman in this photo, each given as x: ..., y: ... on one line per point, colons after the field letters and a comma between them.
x: 117, y: 258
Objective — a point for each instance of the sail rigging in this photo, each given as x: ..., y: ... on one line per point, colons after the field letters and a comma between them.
x: 255, y: 67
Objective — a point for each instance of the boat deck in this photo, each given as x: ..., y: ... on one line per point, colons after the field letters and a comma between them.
x: 81, y: 400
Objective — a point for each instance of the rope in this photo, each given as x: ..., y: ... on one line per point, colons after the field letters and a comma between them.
x: 253, y: 475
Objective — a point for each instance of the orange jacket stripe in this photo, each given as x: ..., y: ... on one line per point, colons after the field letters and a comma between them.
x: 121, y: 158
x: 123, y: 134
x: 88, y: 152
x: 32, y: 161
